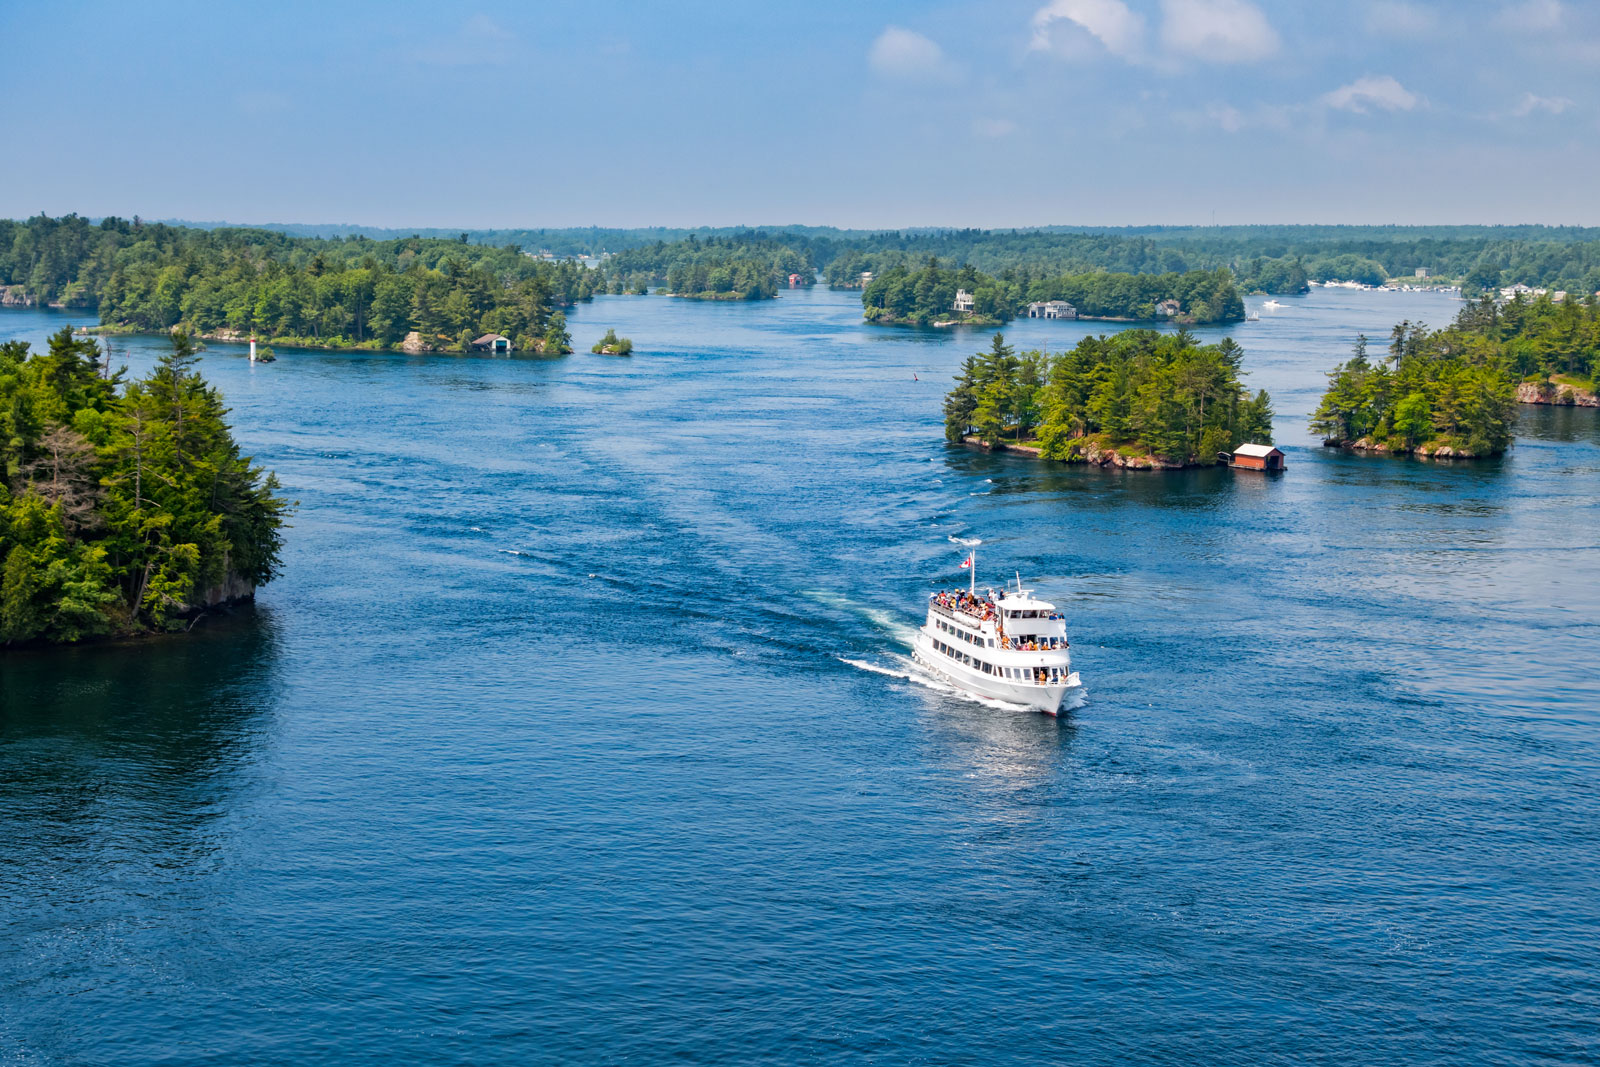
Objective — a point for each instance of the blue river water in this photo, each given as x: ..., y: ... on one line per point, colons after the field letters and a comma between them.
x: 579, y: 728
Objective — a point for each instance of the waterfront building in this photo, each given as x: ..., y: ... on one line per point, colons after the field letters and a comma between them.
x: 1051, y: 309
x: 1257, y: 458
x: 492, y: 342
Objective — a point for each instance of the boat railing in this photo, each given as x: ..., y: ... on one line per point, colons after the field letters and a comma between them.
x: 959, y: 614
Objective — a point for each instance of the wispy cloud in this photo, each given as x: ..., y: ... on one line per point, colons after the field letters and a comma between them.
x: 1398, y: 18
x: 1553, y: 105
x: 1217, y: 31
x: 905, y: 55
x: 480, y: 40
x: 1230, y: 119
x: 1380, y: 92
x: 1532, y: 16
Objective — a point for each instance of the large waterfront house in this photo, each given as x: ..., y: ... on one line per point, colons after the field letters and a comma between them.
x: 964, y: 301
x: 1168, y: 309
x: 1051, y: 309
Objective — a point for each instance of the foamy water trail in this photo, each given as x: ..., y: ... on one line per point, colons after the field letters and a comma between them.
x: 911, y: 671
x: 882, y: 620
x: 970, y: 542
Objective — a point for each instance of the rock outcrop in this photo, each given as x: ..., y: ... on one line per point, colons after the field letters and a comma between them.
x: 1554, y: 393
x: 15, y: 296
x: 232, y: 590
x: 1379, y: 448
x: 1091, y: 454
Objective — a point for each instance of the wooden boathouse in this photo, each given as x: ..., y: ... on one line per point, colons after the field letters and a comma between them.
x: 1256, y: 458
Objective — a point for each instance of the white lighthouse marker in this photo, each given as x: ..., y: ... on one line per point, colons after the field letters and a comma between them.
x: 252, y: 350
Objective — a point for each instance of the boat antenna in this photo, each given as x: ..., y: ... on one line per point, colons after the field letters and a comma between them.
x: 972, y: 590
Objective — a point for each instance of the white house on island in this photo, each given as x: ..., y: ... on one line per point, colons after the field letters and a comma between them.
x: 1051, y: 309
x: 964, y: 301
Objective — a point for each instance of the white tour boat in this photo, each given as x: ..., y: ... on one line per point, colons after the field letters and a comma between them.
x: 1006, y: 645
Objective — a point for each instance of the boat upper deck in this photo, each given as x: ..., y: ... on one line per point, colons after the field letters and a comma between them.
x: 1013, y: 621
x: 963, y: 607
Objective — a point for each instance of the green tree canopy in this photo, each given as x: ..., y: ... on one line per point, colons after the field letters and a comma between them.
x: 121, y: 506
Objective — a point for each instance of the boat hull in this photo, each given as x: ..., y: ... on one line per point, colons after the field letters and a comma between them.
x: 1045, y: 698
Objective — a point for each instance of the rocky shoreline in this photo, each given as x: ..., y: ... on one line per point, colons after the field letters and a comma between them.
x: 413, y: 345
x: 1093, y: 455
x: 1378, y: 448
x: 1556, y: 394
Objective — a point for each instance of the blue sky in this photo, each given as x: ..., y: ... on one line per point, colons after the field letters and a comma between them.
x: 875, y: 114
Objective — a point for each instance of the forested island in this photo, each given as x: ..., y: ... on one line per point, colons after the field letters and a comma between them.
x: 124, y: 507
x: 1452, y: 393
x: 414, y: 294
x: 747, y: 266
x: 612, y: 345
x: 1140, y: 399
x: 927, y: 296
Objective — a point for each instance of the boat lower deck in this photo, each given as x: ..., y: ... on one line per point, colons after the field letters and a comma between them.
x: 1026, y: 691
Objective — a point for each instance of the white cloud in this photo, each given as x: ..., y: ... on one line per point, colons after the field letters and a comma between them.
x: 1398, y: 18
x: 907, y: 55
x: 993, y: 127
x: 1217, y: 31
x: 1380, y: 92
x: 1531, y: 16
x: 480, y: 40
x: 1530, y: 103
x: 1110, y: 22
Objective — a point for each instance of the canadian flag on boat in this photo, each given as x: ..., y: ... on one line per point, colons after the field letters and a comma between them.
x: 967, y: 562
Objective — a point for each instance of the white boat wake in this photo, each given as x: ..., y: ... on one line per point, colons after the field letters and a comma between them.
x: 911, y: 671
x: 969, y: 542
x: 882, y: 620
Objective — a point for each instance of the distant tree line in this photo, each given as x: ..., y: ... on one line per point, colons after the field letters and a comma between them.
x: 121, y: 504
x: 1142, y: 391
x: 70, y: 261
x: 1273, y: 259
x: 1263, y: 258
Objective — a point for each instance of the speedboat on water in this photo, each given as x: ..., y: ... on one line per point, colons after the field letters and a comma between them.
x: 1006, y: 646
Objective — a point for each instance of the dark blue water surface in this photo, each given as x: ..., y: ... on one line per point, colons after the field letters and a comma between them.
x: 578, y: 729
